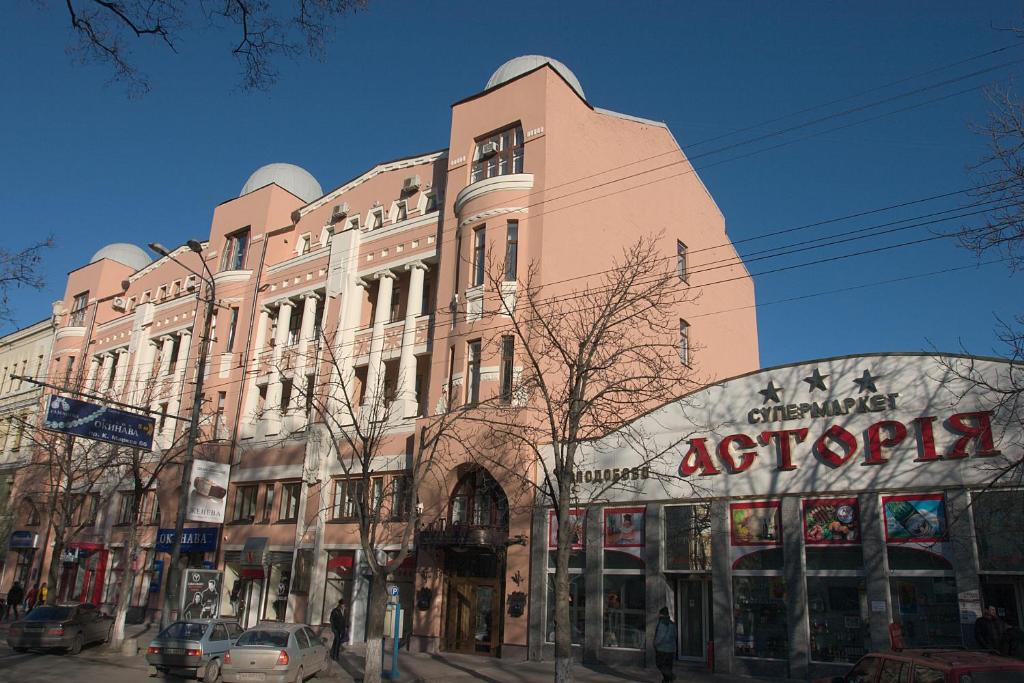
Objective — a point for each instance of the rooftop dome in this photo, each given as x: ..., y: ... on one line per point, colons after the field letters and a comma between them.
x: 124, y: 253
x: 293, y: 178
x: 520, y: 65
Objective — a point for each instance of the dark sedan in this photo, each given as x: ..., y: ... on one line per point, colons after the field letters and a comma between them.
x: 64, y: 627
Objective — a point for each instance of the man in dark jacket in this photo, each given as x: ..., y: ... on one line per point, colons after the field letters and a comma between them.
x: 665, y: 637
x: 988, y: 630
x: 339, y: 623
x: 14, y: 597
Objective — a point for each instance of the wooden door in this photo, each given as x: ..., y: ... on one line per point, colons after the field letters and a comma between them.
x: 472, y: 616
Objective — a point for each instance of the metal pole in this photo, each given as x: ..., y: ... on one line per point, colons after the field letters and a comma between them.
x: 190, y: 446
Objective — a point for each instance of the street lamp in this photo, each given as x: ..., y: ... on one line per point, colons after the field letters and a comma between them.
x: 193, y: 427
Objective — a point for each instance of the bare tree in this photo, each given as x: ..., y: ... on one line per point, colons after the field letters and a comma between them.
x: 20, y: 269
x: 592, y: 359
x: 258, y: 32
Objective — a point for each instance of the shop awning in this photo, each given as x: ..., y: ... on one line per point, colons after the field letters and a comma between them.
x: 252, y: 572
x: 341, y: 564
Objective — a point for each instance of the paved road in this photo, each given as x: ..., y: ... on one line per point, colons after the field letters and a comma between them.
x: 93, y: 664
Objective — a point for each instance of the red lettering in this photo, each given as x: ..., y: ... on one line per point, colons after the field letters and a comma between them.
x: 926, y: 439
x: 981, y: 430
x: 783, y: 454
x: 830, y: 457
x: 697, y: 458
x: 747, y: 457
x: 876, y: 443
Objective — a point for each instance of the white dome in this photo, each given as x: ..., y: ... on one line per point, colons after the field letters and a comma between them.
x: 520, y: 65
x: 293, y: 178
x: 124, y: 253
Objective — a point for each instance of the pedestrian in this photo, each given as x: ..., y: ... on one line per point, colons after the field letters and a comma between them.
x: 30, y: 597
x: 665, y: 636
x: 44, y: 592
x: 14, y: 598
x: 339, y: 623
x: 988, y: 629
x: 1013, y: 642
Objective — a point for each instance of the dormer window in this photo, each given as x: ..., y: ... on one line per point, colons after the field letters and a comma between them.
x: 303, y: 245
x: 402, y: 212
x: 235, y: 249
x: 377, y: 219
x: 498, y: 154
x: 354, y: 223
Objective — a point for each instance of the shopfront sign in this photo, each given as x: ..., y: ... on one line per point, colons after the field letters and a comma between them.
x: 208, y: 492
x: 103, y: 423
x: 23, y: 539
x: 197, y: 540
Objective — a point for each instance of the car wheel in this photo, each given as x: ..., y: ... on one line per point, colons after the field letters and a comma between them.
x: 76, y: 645
x: 212, y: 672
x: 299, y: 676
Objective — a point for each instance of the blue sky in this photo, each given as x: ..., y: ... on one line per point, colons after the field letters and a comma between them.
x: 82, y: 161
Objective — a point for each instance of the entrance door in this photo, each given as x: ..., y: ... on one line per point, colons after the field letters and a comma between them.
x: 471, y: 623
x: 693, y: 597
x: 1006, y: 594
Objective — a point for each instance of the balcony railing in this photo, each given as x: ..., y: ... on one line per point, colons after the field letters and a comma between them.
x: 444, y: 533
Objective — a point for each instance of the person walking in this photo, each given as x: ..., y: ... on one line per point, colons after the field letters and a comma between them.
x: 665, y: 637
x: 339, y: 623
x: 44, y: 593
x: 30, y: 597
x: 14, y: 597
x: 988, y: 629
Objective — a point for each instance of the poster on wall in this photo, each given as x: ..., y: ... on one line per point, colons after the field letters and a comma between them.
x: 200, y: 595
x: 918, y: 518
x: 577, y: 517
x: 755, y: 523
x: 624, y: 527
x: 831, y: 521
x: 208, y: 492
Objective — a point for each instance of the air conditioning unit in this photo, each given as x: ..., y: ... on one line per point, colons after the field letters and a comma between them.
x: 488, y: 149
x: 410, y: 184
x: 339, y: 211
x: 120, y: 304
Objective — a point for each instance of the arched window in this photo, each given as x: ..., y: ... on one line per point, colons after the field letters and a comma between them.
x: 478, y: 500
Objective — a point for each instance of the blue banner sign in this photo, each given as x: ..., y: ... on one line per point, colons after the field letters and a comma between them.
x: 23, y: 539
x: 98, y: 422
x: 198, y: 540
x: 158, y: 575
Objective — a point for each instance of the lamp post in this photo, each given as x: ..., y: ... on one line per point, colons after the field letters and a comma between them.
x: 193, y: 427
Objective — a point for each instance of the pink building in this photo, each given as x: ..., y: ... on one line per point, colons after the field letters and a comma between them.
x: 389, y: 265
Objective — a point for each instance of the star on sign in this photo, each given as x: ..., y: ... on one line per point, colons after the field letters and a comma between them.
x: 816, y: 380
x: 866, y: 382
x: 771, y: 393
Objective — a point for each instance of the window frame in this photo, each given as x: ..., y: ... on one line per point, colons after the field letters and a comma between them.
x: 243, y: 499
x: 236, y: 250
x: 508, y: 159
x: 474, y: 349
x: 79, y: 305
x: 479, y: 255
x: 511, y: 250
x: 292, y: 502
x: 684, y: 342
x: 681, y: 265
x: 507, y: 368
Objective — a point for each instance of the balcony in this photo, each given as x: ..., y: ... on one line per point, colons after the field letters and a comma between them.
x: 443, y: 533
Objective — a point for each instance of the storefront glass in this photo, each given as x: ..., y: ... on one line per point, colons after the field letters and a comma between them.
x: 928, y: 611
x: 687, y: 538
x: 999, y: 525
x: 624, y: 610
x: 23, y: 565
x: 338, y: 585
x: 577, y: 608
x: 836, y: 609
x: 760, y: 610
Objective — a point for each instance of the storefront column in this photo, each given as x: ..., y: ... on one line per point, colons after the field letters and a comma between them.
x: 538, y: 583
x: 794, y: 572
x: 656, y: 586
x: 875, y: 576
x: 593, y: 585
x: 382, y: 312
x: 965, y: 562
x: 721, y: 587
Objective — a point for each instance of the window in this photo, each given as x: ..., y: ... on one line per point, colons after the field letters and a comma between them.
x: 162, y: 420
x: 161, y: 293
x: 688, y: 538
x: 124, y: 515
x: 402, y: 213
x: 353, y: 223
x: 927, y: 609
x: 154, y: 509
x: 498, y: 154
x: 431, y: 202
x: 268, y: 504
x: 376, y: 219
x: 147, y: 296
x: 473, y: 372
x: 479, y: 254
x: 511, y: 251
x: 624, y: 610
x: 508, y: 344
x: 294, y: 325
x: 176, y: 288
x: 219, y: 633
x: 113, y: 371
x: 449, y: 399
x: 232, y: 328
x: 219, y: 424
x: 428, y: 287
x: 286, y: 394
x: 290, y: 493
x: 344, y: 502
x: 684, y: 342
x: 23, y: 567
x: 131, y: 305
x: 577, y: 605
x: 175, y: 349
x: 78, y: 306
x: 994, y: 513
x: 68, y: 368
x: 458, y: 268
x: 396, y: 303
x: 681, y: 260
x: 303, y: 245
x: 245, y: 504
x: 235, y: 249
x: 401, y: 489
x: 754, y: 597
x: 308, y: 398
x: 478, y: 500
x: 19, y: 434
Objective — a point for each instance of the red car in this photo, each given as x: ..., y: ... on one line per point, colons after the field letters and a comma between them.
x: 933, y: 666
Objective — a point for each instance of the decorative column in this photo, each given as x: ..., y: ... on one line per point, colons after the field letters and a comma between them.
x: 249, y: 416
x: 272, y: 410
x: 306, y: 332
x: 375, y: 371
x: 105, y: 382
x: 143, y: 373
x: 407, y: 361
x: 90, y: 378
x: 122, y: 371
x: 344, y: 343
x: 167, y: 345
x: 180, y: 366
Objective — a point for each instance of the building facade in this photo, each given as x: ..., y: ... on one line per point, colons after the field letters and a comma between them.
x: 373, y: 289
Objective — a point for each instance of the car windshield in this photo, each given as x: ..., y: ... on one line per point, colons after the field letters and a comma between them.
x: 49, y: 614
x: 1014, y: 676
x: 261, y: 637
x: 183, y: 630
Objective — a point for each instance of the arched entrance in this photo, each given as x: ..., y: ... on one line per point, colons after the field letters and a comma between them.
x: 473, y: 537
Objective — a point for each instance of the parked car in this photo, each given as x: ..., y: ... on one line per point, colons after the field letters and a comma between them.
x: 67, y: 627
x: 933, y: 666
x: 272, y: 652
x: 193, y: 648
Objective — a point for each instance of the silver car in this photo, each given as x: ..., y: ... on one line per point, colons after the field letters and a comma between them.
x: 192, y: 648
x: 272, y: 652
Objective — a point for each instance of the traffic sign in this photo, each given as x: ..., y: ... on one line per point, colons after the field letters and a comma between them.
x: 393, y: 591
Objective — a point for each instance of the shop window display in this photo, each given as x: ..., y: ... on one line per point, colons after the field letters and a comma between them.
x: 687, y: 538
x: 928, y: 610
x: 999, y: 525
x: 624, y: 610
x: 836, y: 608
x: 577, y: 608
x: 760, y: 613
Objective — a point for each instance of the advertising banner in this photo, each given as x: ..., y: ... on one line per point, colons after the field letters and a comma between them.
x: 576, y: 519
x: 624, y: 527
x: 831, y: 521
x: 200, y: 595
x: 208, y: 492
x: 755, y: 523
x: 92, y: 421
x: 197, y: 540
x: 917, y: 518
